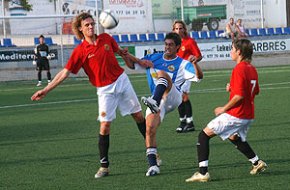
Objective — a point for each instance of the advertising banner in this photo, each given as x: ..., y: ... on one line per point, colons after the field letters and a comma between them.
x: 221, y: 50
x: 135, y: 16
x: 22, y: 55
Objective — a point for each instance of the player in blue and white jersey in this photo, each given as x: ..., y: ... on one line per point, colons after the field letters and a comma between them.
x: 166, y: 73
x: 177, y: 68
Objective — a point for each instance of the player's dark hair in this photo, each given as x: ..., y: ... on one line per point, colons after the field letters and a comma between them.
x: 246, y: 48
x: 77, y: 21
x: 175, y: 37
x: 41, y: 36
x: 183, y: 25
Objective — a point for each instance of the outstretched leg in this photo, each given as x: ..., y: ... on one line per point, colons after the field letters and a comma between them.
x: 245, y: 148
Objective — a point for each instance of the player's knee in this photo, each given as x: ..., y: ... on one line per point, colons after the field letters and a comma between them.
x: 234, y: 137
x: 236, y: 140
x: 185, y: 97
x: 105, y: 128
x: 138, y: 117
x: 163, y: 74
x: 203, y: 137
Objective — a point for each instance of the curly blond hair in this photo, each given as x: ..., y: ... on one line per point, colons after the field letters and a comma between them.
x: 183, y: 25
x: 77, y: 23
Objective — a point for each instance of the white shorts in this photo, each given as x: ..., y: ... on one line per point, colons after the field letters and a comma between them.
x: 186, y: 86
x: 226, y: 125
x: 172, y: 101
x: 119, y: 94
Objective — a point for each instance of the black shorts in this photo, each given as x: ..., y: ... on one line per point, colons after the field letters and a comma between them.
x: 42, y: 65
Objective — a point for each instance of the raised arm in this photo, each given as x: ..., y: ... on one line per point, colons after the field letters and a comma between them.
x: 131, y: 60
x: 61, y: 76
x: 198, y: 70
x: 192, y: 58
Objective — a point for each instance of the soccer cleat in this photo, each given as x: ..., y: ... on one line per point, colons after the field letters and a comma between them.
x: 153, y: 170
x: 260, y: 167
x: 180, y: 127
x: 102, y: 172
x: 199, y: 177
x: 38, y: 84
x: 151, y: 104
x: 158, y: 160
x: 185, y: 128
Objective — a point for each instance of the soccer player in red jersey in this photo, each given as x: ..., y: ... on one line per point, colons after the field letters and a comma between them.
x: 96, y: 56
x: 189, y: 51
x: 234, y: 118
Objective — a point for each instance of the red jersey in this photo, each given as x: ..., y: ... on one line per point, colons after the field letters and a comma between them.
x: 188, y: 47
x: 98, y: 60
x: 244, y: 82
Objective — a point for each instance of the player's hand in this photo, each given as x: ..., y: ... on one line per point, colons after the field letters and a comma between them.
x: 123, y: 51
x: 219, y: 110
x: 192, y: 58
x: 33, y: 62
x: 145, y: 63
x: 38, y: 95
x: 228, y: 87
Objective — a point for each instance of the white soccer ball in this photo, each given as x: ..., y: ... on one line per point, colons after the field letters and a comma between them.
x: 108, y: 19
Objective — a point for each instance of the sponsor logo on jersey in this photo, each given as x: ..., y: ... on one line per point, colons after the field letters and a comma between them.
x: 103, y: 114
x: 107, y: 47
x: 182, y: 48
x: 171, y: 68
x: 91, y: 55
x: 154, y: 75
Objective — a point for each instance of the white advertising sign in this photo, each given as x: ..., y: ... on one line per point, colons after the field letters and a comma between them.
x: 135, y: 16
x: 75, y: 7
x: 221, y: 50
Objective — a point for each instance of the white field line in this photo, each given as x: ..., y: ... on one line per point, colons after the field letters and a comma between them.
x: 143, y: 78
x: 211, y: 90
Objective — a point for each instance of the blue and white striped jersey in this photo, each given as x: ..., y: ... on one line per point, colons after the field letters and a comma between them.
x: 178, y: 69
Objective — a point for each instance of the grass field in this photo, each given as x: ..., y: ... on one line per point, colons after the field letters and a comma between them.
x: 52, y: 144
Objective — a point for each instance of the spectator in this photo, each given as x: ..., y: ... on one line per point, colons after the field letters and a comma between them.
x: 231, y: 29
x: 240, y: 28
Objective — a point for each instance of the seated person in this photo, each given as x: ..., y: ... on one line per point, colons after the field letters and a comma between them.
x: 231, y: 29
x: 241, y: 29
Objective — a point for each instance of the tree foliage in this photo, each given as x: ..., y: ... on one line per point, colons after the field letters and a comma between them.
x: 25, y: 4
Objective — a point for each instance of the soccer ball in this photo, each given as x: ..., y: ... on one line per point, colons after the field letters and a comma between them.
x: 108, y: 19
